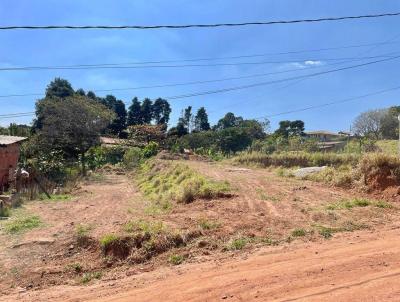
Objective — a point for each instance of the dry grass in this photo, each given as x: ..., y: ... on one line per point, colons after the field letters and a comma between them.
x: 296, y: 159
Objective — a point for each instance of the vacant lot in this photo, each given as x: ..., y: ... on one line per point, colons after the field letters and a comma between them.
x: 114, y: 232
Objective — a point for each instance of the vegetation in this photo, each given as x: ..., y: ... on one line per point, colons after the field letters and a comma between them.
x: 162, y: 181
x: 87, y: 277
x: 237, y: 244
x: 296, y: 159
x: 176, y: 259
x: 357, y: 202
x: 21, y: 224
x: 298, y: 233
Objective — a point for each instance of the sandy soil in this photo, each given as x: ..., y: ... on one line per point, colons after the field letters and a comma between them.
x: 264, y: 206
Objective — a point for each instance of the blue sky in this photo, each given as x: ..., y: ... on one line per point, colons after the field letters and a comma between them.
x: 62, y: 47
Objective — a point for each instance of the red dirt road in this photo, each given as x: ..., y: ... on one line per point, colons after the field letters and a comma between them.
x: 355, y: 267
x: 359, y: 266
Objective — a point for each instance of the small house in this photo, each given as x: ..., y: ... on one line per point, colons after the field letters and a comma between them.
x: 9, y: 155
x: 324, y: 136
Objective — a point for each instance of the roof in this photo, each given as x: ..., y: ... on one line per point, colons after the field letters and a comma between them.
x: 321, y: 132
x: 9, y: 140
x: 111, y: 140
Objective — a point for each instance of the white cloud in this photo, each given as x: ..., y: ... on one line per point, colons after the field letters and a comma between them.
x: 313, y: 63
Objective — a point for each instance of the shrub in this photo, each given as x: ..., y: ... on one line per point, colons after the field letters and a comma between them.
x: 151, y: 149
x: 133, y: 157
x: 298, y: 232
x: 108, y: 239
x: 237, y: 244
x: 87, y: 277
x: 4, y: 211
x: 176, y: 259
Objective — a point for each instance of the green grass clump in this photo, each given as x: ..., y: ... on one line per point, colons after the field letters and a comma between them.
x: 87, y: 277
x: 74, y: 267
x: 237, y: 244
x: 162, y: 182
x: 108, y: 239
x: 55, y: 197
x: 150, y: 227
x: 299, y: 233
x: 176, y: 259
x: 327, y: 232
x: 22, y: 224
x: 207, y: 224
x: 357, y: 202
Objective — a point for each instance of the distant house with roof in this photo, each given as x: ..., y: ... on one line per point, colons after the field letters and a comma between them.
x: 327, y: 140
x: 9, y: 155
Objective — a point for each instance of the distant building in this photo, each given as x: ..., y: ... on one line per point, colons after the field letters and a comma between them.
x: 112, y: 141
x: 9, y: 155
x: 323, y: 135
x: 327, y: 140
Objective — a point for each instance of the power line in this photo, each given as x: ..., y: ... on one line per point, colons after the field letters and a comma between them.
x: 123, y: 65
x: 276, y: 81
x: 52, y: 27
x: 202, y: 82
x: 330, y: 103
x: 251, y: 85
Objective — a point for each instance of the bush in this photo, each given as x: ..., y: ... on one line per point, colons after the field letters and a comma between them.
x: 176, y: 259
x: 151, y: 149
x: 99, y: 156
x: 133, y: 157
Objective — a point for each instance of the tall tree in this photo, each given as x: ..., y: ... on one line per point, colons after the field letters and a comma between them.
x: 147, y: 111
x: 134, y: 113
x: 161, y: 111
x: 228, y: 121
x: 118, y: 106
x: 390, y: 123
x: 201, y: 120
x: 369, y: 123
x: 71, y: 125
x: 290, y: 128
x: 59, y: 88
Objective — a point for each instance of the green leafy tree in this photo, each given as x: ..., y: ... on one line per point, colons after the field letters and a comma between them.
x: 59, y: 88
x: 390, y: 123
x: 81, y: 92
x: 71, y: 125
x: 147, y: 111
x: 161, y: 111
x: 135, y: 113
x: 201, y: 120
x: 290, y: 128
x: 118, y: 106
x: 228, y: 121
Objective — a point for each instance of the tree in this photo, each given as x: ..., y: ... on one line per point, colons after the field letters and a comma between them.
x: 179, y: 130
x: 118, y: 106
x: 71, y: 125
x: 134, y: 113
x: 161, y: 111
x: 59, y: 88
x: 91, y: 95
x: 81, y: 92
x: 143, y: 134
x: 290, y: 128
x: 369, y: 123
x: 390, y: 123
x: 147, y: 111
x: 201, y: 120
x: 228, y: 121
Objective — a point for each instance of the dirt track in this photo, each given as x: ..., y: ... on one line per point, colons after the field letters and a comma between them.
x: 355, y: 267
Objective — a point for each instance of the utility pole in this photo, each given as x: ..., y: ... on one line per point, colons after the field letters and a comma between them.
x: 398, y: 117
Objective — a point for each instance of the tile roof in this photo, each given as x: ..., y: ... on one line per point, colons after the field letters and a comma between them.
x: 9, y: 140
